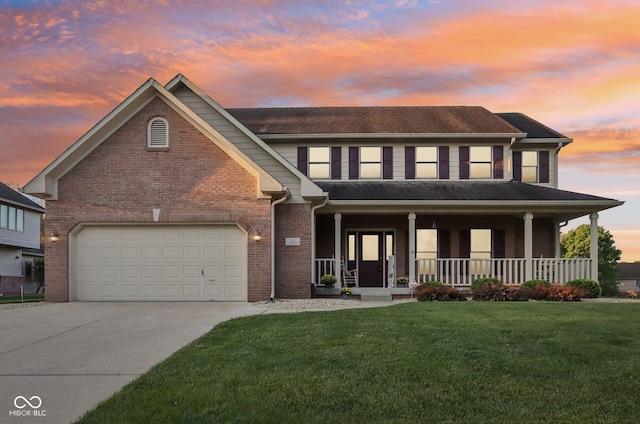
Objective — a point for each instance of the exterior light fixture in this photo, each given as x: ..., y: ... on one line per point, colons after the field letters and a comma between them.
x: 54, y: 236
x: 257, y: 236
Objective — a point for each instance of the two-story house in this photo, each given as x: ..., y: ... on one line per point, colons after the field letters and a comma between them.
x: 173, y: 197
x: 19, y: 234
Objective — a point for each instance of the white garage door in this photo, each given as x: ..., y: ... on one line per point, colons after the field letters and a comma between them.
x: 161, y: 263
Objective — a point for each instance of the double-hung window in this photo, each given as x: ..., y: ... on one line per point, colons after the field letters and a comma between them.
x: 427, y: 162
x: 370, y: 162
x: 529, y: 167
x: 320, y: 163
x: 480, y: 249
x: 480, y: 162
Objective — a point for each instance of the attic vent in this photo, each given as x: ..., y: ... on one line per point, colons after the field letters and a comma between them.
x: 158, y: 133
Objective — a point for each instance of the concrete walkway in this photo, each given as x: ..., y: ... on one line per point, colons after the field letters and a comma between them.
x: 71, y: 356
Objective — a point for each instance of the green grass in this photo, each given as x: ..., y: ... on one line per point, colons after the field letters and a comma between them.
x: 18, y: 299
x: 468, y: 362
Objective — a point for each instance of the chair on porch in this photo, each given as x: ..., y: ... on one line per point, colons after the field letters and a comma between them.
x: 349, y: 276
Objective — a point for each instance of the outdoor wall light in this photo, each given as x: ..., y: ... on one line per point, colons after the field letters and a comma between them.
x: 54, y: 236
x: 257, y: 236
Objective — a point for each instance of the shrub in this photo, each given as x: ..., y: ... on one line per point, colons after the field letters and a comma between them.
x: 531, y: 284
x: 479, y: 282
x: 590, y: 286
x: 427, y: 292
x: 558, y: 293
x: 498, y: 293
x: 328, y: 280
x: 433, y: 283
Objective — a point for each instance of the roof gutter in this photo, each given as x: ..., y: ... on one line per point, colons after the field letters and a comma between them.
x: 273, y: 242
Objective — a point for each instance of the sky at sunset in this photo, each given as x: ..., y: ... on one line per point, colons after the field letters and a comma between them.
x: 573, y: 65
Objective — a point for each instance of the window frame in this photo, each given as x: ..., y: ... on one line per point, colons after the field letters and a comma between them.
x: 11, y: 218
x: 435, y: 162
x: 488, y: 164
x: 524, y: 167
x: 311, y: 164
x: 363, y: 162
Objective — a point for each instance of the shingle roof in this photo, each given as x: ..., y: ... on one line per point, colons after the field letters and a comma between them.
x: 533, y: 128
x: 448, y: 191
x: 373, y: 120
x: 629, y: 270
x: 11, y: 196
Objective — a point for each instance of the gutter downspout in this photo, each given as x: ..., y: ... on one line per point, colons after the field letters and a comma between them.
x: 560, y: 146
x: 313, y: 237
x: 273, y: 242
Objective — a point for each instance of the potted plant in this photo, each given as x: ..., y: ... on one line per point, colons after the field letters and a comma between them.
x: 345, y: 292
x: 402, y: 281
x: 328, y: 280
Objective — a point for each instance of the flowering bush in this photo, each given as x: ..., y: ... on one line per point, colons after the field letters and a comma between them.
x: 345, y: 290
x: 427, y: 292
x: 402, y: 281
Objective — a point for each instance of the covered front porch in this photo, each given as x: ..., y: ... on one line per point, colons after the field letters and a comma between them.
x: 372, y: 250
x: 369, y: 233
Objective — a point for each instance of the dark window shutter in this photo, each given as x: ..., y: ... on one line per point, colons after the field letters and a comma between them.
x: 387, y: 162
x: 409, y: 163
x: 543, y: 163
x: 464, y: 162
x: 517, y: 166
x: 336, y: 163
x: 303, y: 160
x: 354, y: 163
x: 499, y: 250
x: 498, y: 163
x: 443, y: 162
x: 444, y: 244
x: 465, y: 243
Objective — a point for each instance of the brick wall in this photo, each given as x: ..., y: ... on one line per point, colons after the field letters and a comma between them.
x: 10, y: 286
x: 293, y: 262
x: 192, y: 181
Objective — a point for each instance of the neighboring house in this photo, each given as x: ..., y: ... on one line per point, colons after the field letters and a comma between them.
x: 629, y: 276
x: 19, y: 238
x: 173, y: 197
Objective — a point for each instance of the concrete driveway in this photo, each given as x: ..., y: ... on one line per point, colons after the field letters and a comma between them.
x: 71, y: 356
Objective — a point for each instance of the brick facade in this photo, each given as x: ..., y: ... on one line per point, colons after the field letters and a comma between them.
x: 10, y: 286
x: 293, y: 261
x: 192, y: 181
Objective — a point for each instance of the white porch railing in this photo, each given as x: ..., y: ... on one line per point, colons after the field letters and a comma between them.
x: 462, y: 272
x: 324, y: 266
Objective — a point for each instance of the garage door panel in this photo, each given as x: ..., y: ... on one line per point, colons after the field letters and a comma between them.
x: 131, y: 292
x: 233, y: 252
x: 171, y: 252
x: 150, y: 253
x: 161, y: 263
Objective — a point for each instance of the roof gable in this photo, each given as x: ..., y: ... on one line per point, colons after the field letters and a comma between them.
x: 45, y: 183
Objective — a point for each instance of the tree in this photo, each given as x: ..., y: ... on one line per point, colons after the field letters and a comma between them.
x: 576, y: 244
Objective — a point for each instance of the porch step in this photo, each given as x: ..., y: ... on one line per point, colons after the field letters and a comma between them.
x: 375, y: 295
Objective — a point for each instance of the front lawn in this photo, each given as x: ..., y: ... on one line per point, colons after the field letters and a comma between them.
x: 18, y: 299
x: 467, y: 362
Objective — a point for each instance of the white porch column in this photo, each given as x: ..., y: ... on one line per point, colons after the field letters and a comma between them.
x: 337, y: 225
x: 528, y: 246
x: 412, y: 246
x: 593, y: 245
